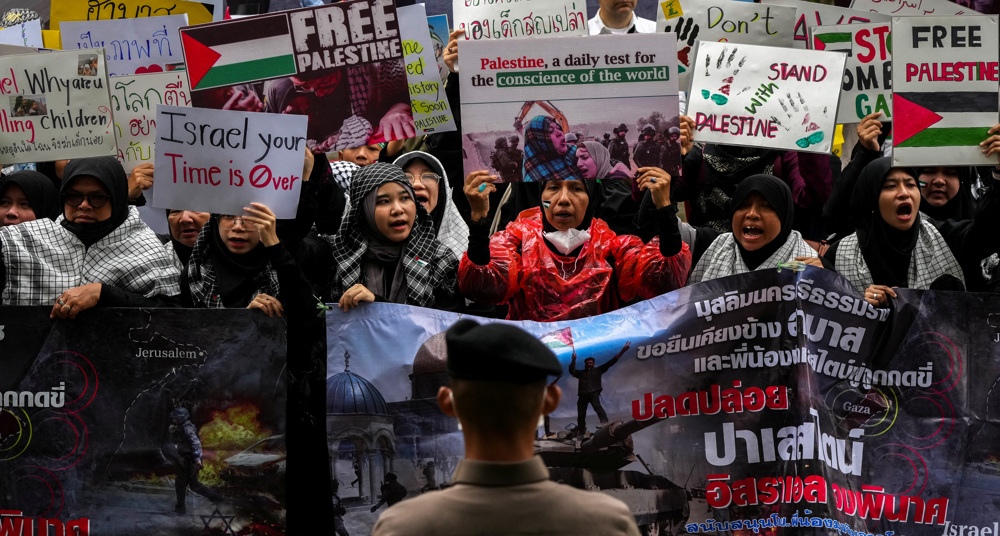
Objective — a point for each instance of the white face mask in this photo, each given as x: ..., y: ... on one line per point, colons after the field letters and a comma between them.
x: 566, y: 241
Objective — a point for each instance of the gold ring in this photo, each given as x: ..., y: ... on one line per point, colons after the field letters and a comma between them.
x: 65, y: 307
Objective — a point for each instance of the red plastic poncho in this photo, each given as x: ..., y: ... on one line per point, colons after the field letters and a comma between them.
x: 545, y: 286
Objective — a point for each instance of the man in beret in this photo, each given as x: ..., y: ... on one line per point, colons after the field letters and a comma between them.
x: 498, y: 392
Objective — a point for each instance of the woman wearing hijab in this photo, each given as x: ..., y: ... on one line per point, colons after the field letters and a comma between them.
x: 430, y: 185
x: 98, y: 253
x: 26, y: 196
x: 387, y: 248
x: 547, y: 156
x: 762, y: 235
x: 594, y: 162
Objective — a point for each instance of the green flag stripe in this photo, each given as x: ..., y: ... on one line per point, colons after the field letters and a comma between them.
x: 844, y: 37
x: 946, y: 137
x: 237, y: 73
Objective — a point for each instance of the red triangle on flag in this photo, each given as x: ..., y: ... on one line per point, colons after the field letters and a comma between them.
x: 909, y: 118
x: 199, y: 58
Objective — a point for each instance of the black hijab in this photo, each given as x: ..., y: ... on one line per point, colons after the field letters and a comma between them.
x: 41, y: 193
x: 182, y: 251
x: 237, y: 276
x: 960, y: 207
x: 779, y: 196
x: 886, y: 250
x: 111, y: 175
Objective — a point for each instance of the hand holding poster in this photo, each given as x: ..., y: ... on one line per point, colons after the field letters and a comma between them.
x: 765, y: 97
x: 867, y: 84
x: 431, y: 112
x: 811, y: 14
x: 141, y: 45
x: 221, y: 161
x: 945, y: 75
x: 507, y: 19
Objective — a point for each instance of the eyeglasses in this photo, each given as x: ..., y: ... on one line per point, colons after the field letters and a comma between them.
x: 426, y: 177
x: 228, y: 222
x: 95, y: 200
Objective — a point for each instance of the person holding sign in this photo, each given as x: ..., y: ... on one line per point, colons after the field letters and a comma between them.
x: 98, y: 253
x: 26, y: 196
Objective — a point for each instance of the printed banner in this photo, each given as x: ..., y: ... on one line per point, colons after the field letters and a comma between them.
x: 431, y: 112
x: 867, y: 86
x: 723, y: 20
x: 25, y: 34
x: 508, y: 19
x: 812, y: 14
x: 944, y: 78
x: 61, y: 10
x: 54, y: 106
x: 134, y: 100
x: 88, y: 444
x: 772, y: 402
x: 145, y: 45
x: 912, y: 8
x: 438, y: 27
x: 584, y: 86
x: 765, y: 97
x: 220, y: 161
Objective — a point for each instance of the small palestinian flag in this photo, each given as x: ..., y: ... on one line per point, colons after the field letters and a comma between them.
x: 562, y: 338
x: 234, y: 52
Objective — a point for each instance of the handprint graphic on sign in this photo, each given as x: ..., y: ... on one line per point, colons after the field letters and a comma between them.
x: 722, y: 97
x: 687, y: 32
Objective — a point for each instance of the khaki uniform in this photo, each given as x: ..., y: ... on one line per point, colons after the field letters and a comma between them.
x: 507, y: 498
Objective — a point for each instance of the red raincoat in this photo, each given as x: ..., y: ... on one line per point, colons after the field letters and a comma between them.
x: 545, y: 286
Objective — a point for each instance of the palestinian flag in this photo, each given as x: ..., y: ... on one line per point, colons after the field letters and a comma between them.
x: 562, y: 338
x: 956, y: 120
x: 234, y: 52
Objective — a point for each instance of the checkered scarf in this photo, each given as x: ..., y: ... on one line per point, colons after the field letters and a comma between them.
x: 723, y: 258
x: 427, y: 264
x: 930, y: 259
x: 541, y: 161
x: 202, y: 281
x: 43, y: 259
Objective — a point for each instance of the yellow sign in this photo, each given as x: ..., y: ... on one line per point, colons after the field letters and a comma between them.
x: 124, y: 9
x: 51, y: 39
x: 671, y: 9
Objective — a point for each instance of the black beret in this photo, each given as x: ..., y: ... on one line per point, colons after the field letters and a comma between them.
x: 497, y: 352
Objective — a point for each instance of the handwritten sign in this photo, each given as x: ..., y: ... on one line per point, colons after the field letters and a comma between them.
x: 911, y: 7
x: 438, y: 27
x: 54, y: 106
x: 867, y: 85
x: 431, y: 112
x: 62, y: 10
x: 586, y: 86
x: 134, y: 99
x: 765, y: 97
x: 507, y: 19
x: 25, y: 34
x: 220, y: 160
x: 140, y: 45
x: 812, y: 14
x: 725, y: 20
x: 944, y: 77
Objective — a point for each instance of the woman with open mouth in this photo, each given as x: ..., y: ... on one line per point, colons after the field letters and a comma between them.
x: 762, y: 235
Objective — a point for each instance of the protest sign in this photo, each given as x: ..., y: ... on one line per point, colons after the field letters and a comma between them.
x: 54, y: 106
x: 944, y: 79
x: 911, y: 8
x: 89, y: 444
x: 125, y: 9
x: 581, y: 85
x: 220, y: 160
x: 765, y: 402
x: 431, y: 112
x: 765, y: 97
x: 134, y: 100
x: 25, y: 34
x: 811, y: 14
x: 145, y: 45
x: 723, y: 20
x: 438, y: 26
x: 507, y: 19
x: 867, y: 86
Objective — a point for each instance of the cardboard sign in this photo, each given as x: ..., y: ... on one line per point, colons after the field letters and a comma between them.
x: 220, y: 161
x: 134, y: 100
x: 54, y: 106
x: 431, y: 112
x: 765, y: 97
x: 944, y: 78
x: 586, y: 86
x: 724, y: 20
x: 812, y: 14
x: 912, y: 8
x: 63, y: 10
x: 508, y: 19
x: 25, y: 34
x: 438, y: 27
x: 145, y: 45
x: 867, y: 86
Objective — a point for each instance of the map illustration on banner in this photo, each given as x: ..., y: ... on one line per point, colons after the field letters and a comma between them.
x: 521, y: 97
x: 812, y: 14
x: 867, y: 84
x: 508, y: 19
x: 765, y: 97
x: 945, y: 76
x: 139, y: 46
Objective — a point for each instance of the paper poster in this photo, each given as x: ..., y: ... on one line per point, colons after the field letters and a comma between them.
x: 63, y: 10
x: 220, y: 161
x: 145, y: 45
x: 439, y: 30
x: 25, y: 34
x: 723, y: 20
x: 944, y: 78
x: 579, y: 85
x: 867, y: 86
x: 811, y: 14
x: 133, y: 105
x: 431, y: 112
x: 508, y: 19
x: 53, y: 106
x: 765, y: 97
x: 912, y: 8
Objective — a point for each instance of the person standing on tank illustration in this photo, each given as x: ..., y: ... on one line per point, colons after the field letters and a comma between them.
x: 590, y: 387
